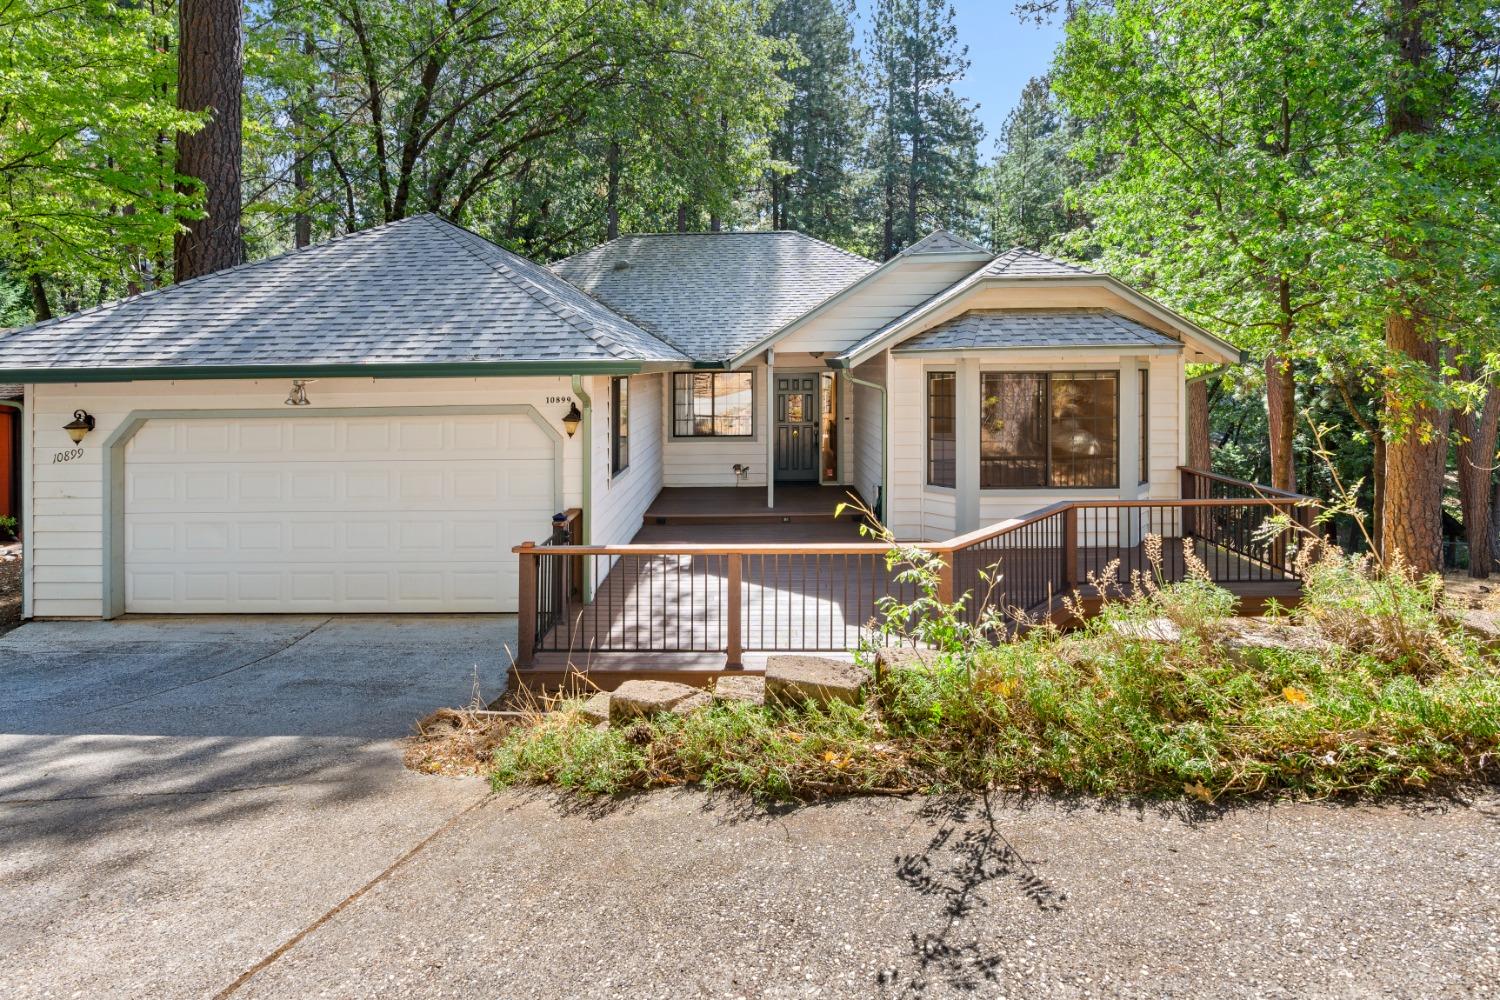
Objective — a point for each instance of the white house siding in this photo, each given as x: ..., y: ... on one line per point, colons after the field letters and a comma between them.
x: 869, y: 306
x: 710, y: 461
x: 869, y: 434
x: 65, y: 558
x: 620, y: 502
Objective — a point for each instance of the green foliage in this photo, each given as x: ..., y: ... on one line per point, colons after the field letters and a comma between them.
x: 1025, y: 188
x: 810, y: 184
x: 1370, y: 691
x: 7, y: 526
x: 87, y: 122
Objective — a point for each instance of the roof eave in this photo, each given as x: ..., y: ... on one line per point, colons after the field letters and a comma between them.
x: 441, y: 369
x: 1131, y: 349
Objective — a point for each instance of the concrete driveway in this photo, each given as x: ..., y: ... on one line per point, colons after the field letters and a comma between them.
x: 179, y: 797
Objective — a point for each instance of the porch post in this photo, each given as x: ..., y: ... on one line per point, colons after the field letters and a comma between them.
x: 733, y: 653
x: 966, y: 445
x: 768, y: 397
x: 526, y: 607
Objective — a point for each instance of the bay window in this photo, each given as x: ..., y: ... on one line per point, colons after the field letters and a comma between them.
x: 942, y: 443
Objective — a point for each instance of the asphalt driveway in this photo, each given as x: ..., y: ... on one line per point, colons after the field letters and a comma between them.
x: 216, y: 808
x: 179, y: 797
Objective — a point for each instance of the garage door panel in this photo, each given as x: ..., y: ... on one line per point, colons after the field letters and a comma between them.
x: 349, y: 514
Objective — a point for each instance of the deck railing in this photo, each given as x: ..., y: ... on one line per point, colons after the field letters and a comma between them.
x: 826, y: 596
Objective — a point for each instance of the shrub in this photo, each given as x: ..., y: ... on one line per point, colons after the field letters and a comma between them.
x: 1369, y: 689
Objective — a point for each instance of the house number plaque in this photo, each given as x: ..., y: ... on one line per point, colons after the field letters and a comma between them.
x: 71, y: 455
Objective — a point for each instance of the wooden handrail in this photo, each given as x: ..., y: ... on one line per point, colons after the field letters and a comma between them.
x: 1268, y: 491
x: 871, y: 548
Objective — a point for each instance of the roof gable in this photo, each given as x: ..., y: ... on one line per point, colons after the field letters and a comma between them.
x: 1022, y: 268
x: 943, y: 242
x: 420, y: 291
x: 713, y: 295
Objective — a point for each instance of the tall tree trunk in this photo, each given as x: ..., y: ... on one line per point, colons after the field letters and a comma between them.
x: 301, y: 166
x: 1411, y: 513
x: 1476, y: 461
x: 1417, y: 456
x: 682, y: 218
x: 210, y: 65
x: 40, y: 307
x: 1200, y: 448
x: 612, y: 200
x: 1495, y: 527
x: 1281, y: 416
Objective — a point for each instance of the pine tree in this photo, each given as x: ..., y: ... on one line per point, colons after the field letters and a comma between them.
x: 924, y: 147
x: 1026, y: 185
x: 816, y: 145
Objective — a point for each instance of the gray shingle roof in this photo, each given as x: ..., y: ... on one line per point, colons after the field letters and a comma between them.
x: 943, y: 241
x: 1013, y: 328
x: 419, y: 291
x: 1019, y: 262
x: 713, y: 295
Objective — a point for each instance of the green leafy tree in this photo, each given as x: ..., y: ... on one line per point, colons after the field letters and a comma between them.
x: 88, y: 199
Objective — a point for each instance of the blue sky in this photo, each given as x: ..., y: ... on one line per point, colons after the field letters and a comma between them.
x: 1003, y: 55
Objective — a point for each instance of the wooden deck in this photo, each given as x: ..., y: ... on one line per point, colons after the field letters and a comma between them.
x: 794, y: 602
x: 746, y: 504
x: 715, y: 579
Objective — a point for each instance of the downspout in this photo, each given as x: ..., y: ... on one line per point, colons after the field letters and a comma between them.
x: 586, y: 501
x: 885, y: 443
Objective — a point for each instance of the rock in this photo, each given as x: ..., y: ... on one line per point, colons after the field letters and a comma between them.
x: 906, y: 658
x: 1483, y: 626
x: 596, y: 709
x: 1151, y: 630
x: 748, y: 688
x: 818, y: 679
x: 638, y: 699
x: 1245, y: 639
x: 692, y: 703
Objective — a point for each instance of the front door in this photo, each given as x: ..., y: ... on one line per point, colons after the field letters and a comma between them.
x: 797, y: 428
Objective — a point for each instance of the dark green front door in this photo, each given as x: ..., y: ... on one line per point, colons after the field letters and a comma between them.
x: 797, y: 428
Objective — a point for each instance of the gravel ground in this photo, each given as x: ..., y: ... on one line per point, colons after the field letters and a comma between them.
x: 677, y: 894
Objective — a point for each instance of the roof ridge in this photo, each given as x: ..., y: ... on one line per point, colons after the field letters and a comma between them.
x: 535, y: 291
x: 114, y: 304
x: 559, y: 308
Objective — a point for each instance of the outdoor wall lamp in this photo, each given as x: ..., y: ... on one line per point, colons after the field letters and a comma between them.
x: 298, y: 395
x: 81, y: 424
x: 572, y: 419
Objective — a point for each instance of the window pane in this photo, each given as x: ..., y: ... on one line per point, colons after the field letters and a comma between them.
x: 1012, y: 430
x: 619, y: 425
x: 711, y: 403
x: 942, y: 446
x: 1084, y: 429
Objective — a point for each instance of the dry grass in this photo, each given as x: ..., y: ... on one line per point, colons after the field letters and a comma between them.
x: 1480, y: 595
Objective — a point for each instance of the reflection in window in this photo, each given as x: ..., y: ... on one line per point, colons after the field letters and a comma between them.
x: 712, y: 404
x: 1058, y: 429
x: 942, y: 448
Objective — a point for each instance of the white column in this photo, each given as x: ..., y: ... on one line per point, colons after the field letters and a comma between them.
x: 1130, y: 428
x: 768, y: 404
x: 966, y: 445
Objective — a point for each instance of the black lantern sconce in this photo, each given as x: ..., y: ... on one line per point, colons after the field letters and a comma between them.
x: 572, y: 419
x: 81, y: 424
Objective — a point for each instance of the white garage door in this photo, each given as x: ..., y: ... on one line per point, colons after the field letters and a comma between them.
x: 333, y: 514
